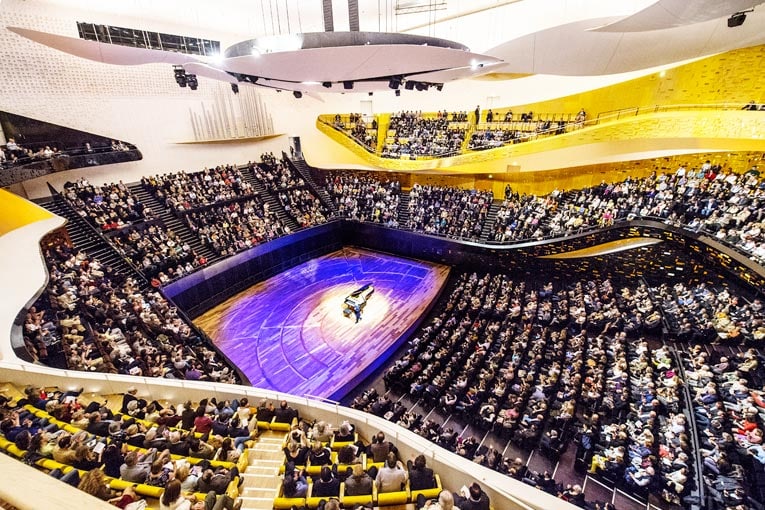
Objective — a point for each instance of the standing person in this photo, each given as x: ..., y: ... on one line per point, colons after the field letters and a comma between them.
x: 357, y: 313
x: 477, y: 114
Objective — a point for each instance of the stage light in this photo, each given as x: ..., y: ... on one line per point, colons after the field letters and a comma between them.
x: 327, y: 84
x: 394, y: 83
x: 297, y: 94
x: 180, y: 75
x: 371, y: 93
x: 398, y: 93
x: 439, y: 87
x: 421, y: 86
x: 409, y: 85
x: 348, y: 85
x: 234, y: 88
x: 191, y: 79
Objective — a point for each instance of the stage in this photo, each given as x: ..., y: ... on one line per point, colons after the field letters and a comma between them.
x: 289, y: 333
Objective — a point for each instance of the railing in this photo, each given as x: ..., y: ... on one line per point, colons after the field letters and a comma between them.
x: 29, y: 168
x: 566, y: 123
x: 632, y: 111
x: 505, y: 493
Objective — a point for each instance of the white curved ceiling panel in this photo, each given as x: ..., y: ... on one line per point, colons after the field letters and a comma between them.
x: 575, y: 50
x: 103, y: 52
x: 676, y: 13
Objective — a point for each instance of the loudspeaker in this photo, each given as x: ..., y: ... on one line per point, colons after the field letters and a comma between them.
x: 736, y: 20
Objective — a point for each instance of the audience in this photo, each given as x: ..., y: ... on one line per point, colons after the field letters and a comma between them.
x: 362, y: 197
x: 108, y: 207
x: 412, y: 135
x: 236, y: 226
x: 184, y: 191
x: 451, y: 212
x: 153, y: 249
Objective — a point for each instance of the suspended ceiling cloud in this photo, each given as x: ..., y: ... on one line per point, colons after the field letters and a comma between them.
x: 316, y: 62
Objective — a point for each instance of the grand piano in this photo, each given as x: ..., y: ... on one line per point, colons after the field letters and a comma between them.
x: 357, y: 298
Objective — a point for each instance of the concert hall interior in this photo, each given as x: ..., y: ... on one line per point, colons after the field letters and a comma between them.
x: 250, y: 249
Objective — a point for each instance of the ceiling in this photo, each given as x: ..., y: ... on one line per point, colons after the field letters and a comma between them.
x: 559, y: 37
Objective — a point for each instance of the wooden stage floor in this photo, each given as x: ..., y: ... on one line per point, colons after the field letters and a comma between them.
x: 289, y: 333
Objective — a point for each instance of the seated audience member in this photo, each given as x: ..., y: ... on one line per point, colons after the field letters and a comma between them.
x: 216, y: 481
x: 392, y: 476
x: 327, y: 485
x: 94, y: 483
x: 472, y: 499
x: 319, y: 455
x: 359, y: 483
x: 380, y: 448
x: 294, y: 484
x: 137, y: 466
x: 420, y: 476
x: 173, y: 499
x: 285, y: 413
x: 445, y: 501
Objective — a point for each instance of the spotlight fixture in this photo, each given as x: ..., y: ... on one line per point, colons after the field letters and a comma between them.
x: 409, y: 85
x: 180, y: 75
x: 327, y: 84
x: 348, y: 85
x: 191, y: 79
x: 421, y: 86
x: 398, y: 93
x: 297, y: 94
x: 737, y: 19
x: 394, y: 83
x: 439, y: 87
x: 234, y: 88
x: 371, y: 93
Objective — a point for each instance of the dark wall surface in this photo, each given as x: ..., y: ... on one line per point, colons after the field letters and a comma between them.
x: 209, y: 287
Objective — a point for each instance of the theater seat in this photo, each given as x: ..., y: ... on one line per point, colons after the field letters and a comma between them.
x: 316, y: 470
x: 337, y: 445
x: 427, y: 493
x: 313, y: 501
x: 352, y: 501
x: 391, y: 498
x: 282, y: 503
x: 278, y: 426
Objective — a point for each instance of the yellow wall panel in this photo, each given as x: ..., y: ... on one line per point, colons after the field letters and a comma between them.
x: 732, y: 77
x: 16, y: 212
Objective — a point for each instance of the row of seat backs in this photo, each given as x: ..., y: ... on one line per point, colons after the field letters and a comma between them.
x: 148, y: 491
x: 376, y: 498
x: 242, y: 463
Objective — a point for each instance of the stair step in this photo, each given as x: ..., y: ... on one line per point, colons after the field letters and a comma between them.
x: 260, y: 472
x: 247, y: 501
x: 259, y: 492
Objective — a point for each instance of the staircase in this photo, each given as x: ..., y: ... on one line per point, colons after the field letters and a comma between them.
x: 403, y: 210
x: 261, y: 479
x: 271, y: 199
x: 305, y: 171
x: 84, y: 236
x: 488, y: 225
x: 172, y: 222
